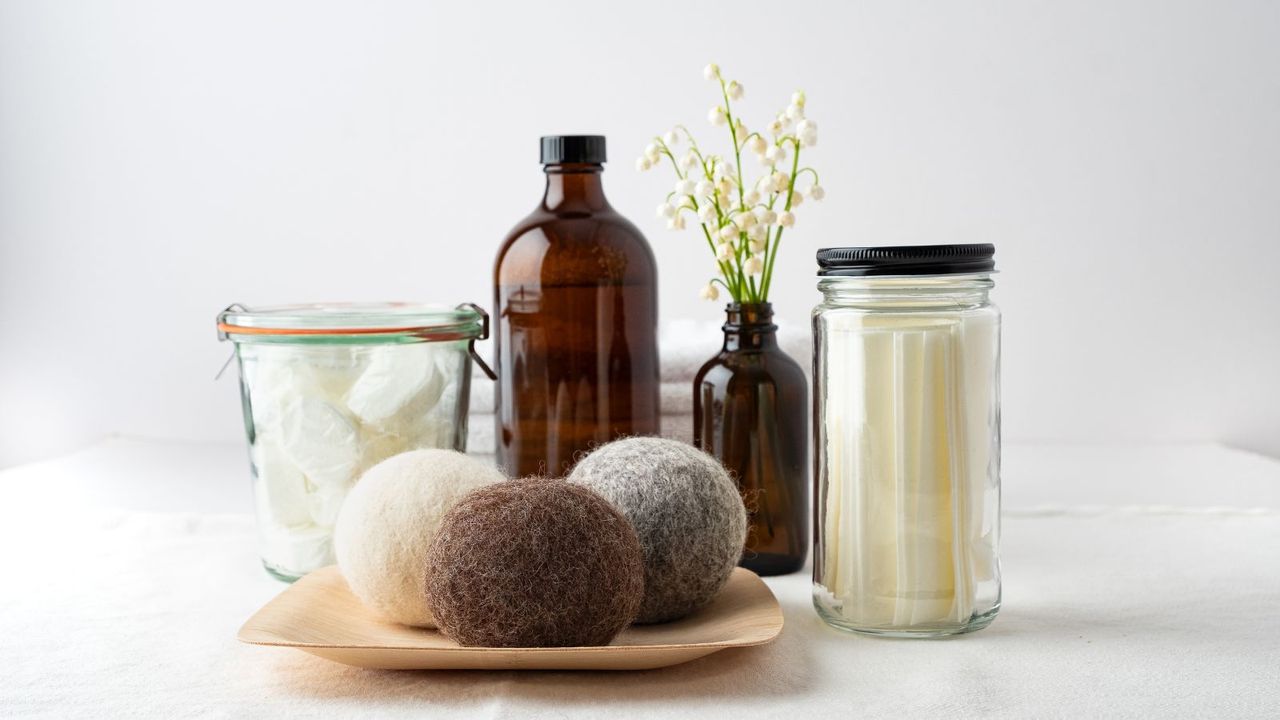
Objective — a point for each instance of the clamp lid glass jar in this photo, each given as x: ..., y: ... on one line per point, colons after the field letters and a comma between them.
x: 331, y: 390
x: 906, y: 386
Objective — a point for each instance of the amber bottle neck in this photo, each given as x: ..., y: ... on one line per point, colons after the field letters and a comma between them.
x: 574, y: 187
x: 749, y: 326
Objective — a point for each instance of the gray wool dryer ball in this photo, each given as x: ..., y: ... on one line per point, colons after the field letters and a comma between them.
x: 686, y: 511
x: 388, y: 521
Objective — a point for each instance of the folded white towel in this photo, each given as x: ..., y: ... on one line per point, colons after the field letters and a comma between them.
x: 684, y: 347
x: 482, y: 437
x: 673, y: 397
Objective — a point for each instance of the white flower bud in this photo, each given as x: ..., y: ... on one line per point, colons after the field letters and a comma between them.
x: 724, y: 251
x: 684, y: 187
x: 776, y: 154
x: 817, y: 192
x: 758, y: 233
x: 651, y: 152
x: 707, y: 213
x: 775, y: 127
x: 809, y: 139
x: 756, y: 246
x: 757, y: 144
x: 766, y: 216
x: 744, y: 221
x: 711, y: 72
x: 806, y: 125
x: 642, y: 164
x: 779, y: 181
x: 671, y: 138
x: 704, y: 188
x: 717, y: 116
x: 724, y: 187
x: 710, y: 292
x: 728, y: 232
x: 797, y: 198
x: 797, y: 98
x: 734, y: 90
x: 786, y: 219
x: 795, y: 112
x: 753, y: 266
x: 665, y: 210
x: 676, y: 223
x: 752, y: 197
x: 688, y: 162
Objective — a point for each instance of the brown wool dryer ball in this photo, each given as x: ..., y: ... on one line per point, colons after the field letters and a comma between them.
x: 534, y: 563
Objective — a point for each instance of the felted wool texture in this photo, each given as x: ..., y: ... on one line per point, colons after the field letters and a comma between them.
x: 534, y: 563
x: 387, y: 523
x: 686, y: 511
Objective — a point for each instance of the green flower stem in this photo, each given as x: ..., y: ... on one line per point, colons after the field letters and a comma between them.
x: 771, y: 254
x: 753, y: 293
x: 725, y: 269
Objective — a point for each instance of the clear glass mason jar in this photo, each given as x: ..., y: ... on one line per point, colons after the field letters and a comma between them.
x: 907, y: 440
x: 328, y: 391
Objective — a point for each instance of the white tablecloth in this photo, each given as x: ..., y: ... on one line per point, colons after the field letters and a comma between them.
x: 1139, y: 582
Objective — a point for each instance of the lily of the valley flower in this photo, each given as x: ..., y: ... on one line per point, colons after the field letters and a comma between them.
x: 742, y: 219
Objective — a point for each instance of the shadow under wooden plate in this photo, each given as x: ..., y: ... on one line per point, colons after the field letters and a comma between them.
x: 320, y: 615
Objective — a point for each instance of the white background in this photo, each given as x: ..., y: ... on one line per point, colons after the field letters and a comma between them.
x: 160, y: 160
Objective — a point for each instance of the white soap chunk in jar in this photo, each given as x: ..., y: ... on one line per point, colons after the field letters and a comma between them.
x: 295, y: 551
x: 281, y: 487
x: 399, y: 380
x: 321, y: 439
x: 323, y: 504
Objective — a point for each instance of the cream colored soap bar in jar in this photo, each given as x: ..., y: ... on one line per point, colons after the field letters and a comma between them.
x: 907, y: 393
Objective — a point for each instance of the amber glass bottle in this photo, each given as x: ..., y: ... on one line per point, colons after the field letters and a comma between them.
x: 751, y: 411
x: 576, y: 305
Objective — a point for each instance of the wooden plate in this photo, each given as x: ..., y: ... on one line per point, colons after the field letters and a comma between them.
x: 320, y: 615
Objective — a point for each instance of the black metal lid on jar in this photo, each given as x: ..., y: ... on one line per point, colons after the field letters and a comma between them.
x: 572, y: 149
x: 907, y: 260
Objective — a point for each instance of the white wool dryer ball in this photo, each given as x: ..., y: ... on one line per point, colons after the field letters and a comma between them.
x: 388, y: 521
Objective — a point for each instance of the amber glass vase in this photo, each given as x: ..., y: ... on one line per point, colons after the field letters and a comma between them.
x: 751, y: 411
x: 576, y: 301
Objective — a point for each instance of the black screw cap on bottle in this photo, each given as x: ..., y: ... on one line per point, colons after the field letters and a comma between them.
x: 572, y: 149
